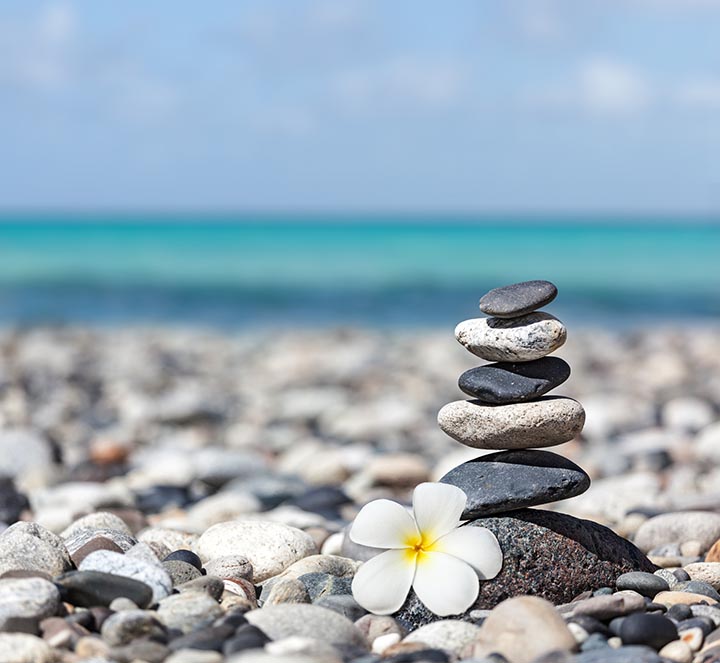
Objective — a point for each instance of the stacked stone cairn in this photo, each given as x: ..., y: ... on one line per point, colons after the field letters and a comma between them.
x: 545, y: 553
x: 510, y: 410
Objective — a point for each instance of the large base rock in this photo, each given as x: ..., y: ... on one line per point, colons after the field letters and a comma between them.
x: 546, y: 554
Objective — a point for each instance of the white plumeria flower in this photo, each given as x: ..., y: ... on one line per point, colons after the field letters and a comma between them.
x: 426, y: 552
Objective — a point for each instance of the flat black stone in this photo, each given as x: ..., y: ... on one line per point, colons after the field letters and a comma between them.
x: 95, y: 588
x: 509, y: 480
x: 514, y: 382
x: 517, y: 299
x: 186, y: 556
x: 647, y: 584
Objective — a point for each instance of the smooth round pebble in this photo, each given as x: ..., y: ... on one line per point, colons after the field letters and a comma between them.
x: 702, y: 526
x: 26, y: 601
x: 546, y: 422
x: 188, y: 611
x: 645, y: 629
x: 24, y: 648
x: 647, y: 584
x: 124, y: 627
x: 96, y: 588
x: 517, y: 299
x: 449, y: 634
x: 504, y: 383
x: 181, y: 572
x: 526, y: 338
x: 187, y: 556
x: 270, y: 547
x: 230, y: 567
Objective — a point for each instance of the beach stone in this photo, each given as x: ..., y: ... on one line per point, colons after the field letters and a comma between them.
x: 605, y: 607
x: 93, y: 588
x: 194, y: 656
x: 141, y: 651
x: 181, y: 572
x: 153, y: 575
x: 123, y: 627
x: 448, y: 634
x: 24, y: 648
x: 526, y: 338
x: 25, y: 454
x: 503, y: 383
x: 708, y: 572
x: 688, y: 598
x: 94, y: 544
x: 522, y: 629
x: 287, y: 590
x: 546, y: 422
x: 173, y: 539
x: 629, y: 654
x: 677, y: 527
x: 310, y: 621
x: 26, y: 601
x: 644, y: 629
x: 82, y: 537
x: 698, y: 587
x: 230, y: 567
x: 21, y: 551
x: 269, y: 547
x: 335, y: 565
x: 12, y: 501
x: 647, y: 584
x: 510, y: 480
x: 97, y: 520
x: 678, y: 651
x: 583, y: 555
x: 188, y: 611
x: 510, y: 301
x: 707, y: 442
x: 324, y: 584
x: 187, y: 556
x: 210, y: 584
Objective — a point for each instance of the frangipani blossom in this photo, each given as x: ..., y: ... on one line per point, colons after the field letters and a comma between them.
x: 426, y: 551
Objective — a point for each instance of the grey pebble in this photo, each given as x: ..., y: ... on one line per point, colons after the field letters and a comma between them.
x: 510, y: 301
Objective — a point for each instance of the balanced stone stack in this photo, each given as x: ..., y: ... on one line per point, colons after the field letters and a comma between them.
x: 545, y: 553
x: 509, y: 410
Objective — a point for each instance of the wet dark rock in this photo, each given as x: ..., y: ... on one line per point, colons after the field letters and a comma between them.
x: 547, y: 554
x: 187, y: 556
x: 12, y: 501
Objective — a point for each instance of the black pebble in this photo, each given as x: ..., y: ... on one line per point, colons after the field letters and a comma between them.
x: 682, y: 575
x: 424, y: 655
x: 679, y: 611
x: 652, y: 630
x: 705, y: 624
x: 246, y: 637
x: 12, y: 501
x: 514, y: 382
x: 186, y: 556
x: 518, y: 299
x: 207, y: 639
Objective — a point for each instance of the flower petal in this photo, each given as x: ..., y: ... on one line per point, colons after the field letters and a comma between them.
x: 475, y: 545
x: 437, y: 508
x: 445, y: 584
x: 381, y: 584
x: 383, y: 524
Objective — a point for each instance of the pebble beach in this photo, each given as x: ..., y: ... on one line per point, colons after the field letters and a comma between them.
x: 183, y: 495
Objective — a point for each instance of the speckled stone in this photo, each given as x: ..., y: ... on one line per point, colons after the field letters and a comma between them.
x: 514, y: 382
x: 546, y: 422
x: 519, y: 339
x: 510, y: 480
x: 510, y: 301
x: 581, y: 555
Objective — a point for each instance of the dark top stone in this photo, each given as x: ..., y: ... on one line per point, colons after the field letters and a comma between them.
x: 547, y: 554
x: 94, y: 588
x: 514, y: 382
x: 186, y: 556
x: 643, y: 629
x: 509, y: 480
x: 517, y: 299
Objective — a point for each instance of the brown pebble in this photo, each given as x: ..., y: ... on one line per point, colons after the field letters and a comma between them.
x: 713, y: 555
x: 104, y: 451
x: 687, y: 598
x: 97, y: 543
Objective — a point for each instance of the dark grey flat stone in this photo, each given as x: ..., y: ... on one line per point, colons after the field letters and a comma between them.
x: 514, y: 382
x: 95, y: 588
x: 548, y: 554
x: 518, y: 299
x: 647, y: 584
x: 510, y: 480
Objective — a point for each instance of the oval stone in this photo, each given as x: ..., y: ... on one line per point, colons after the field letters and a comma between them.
x: 514, y: 382
x: 526, y: 338
x: 517, y: 299
x: 511, y: 480
x: 545, y: 422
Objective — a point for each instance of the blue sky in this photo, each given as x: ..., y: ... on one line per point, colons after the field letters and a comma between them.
x: 520, y: 105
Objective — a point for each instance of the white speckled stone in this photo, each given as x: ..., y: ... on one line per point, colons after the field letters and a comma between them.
x: 526, y: 338
x: 269, y: 547
x: 545, y: 422
x: 449, y: 634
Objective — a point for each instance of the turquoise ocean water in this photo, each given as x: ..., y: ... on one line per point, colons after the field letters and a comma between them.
x: 273, y: 270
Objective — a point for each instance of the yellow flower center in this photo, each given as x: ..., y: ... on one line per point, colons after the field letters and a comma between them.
x: 417, y: 546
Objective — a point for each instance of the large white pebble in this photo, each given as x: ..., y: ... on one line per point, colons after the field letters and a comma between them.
x: 270, y: 547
